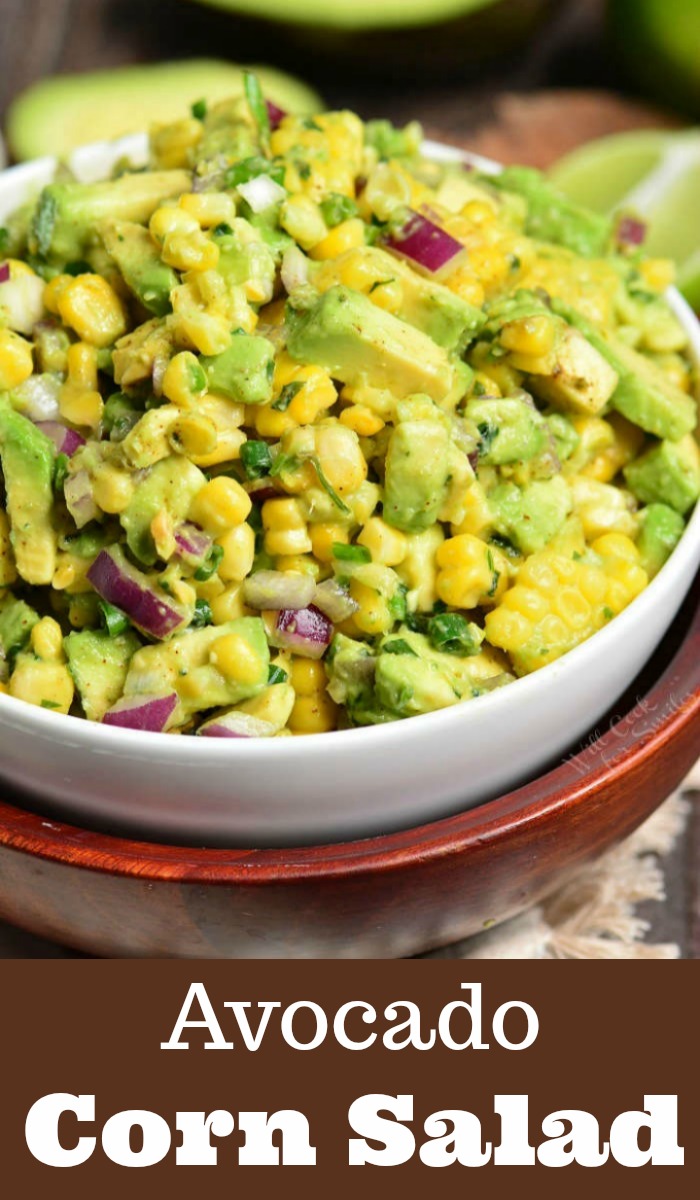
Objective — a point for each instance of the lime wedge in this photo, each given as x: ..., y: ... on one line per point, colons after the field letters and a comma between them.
x: 653, y: 173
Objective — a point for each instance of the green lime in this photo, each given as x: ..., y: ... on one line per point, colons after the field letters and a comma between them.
x: 654, y: 174
x: 658, y: 41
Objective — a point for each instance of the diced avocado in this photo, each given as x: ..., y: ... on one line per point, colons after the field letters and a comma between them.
x: 644, y: 394
x: 571, y: 373
x: 147, y: 442
x: 28, y: 458
x: 350, y: 666
x: 359, y: 343
x: 171, y: 487
x: 531, y: 516
x: 566, y: 438
x: 69, y: 216
x: 246, y: 260
x: 417, y: 465
x: 661, y: 529
x: 668, y: 473
x: 551, y: 217
x: 136, y: 255
x: 245, y: 371
x: 438, y: 312
x: 511, y: 430
x: 229, y: 132
x: 184, y: 664
x: 136, y: 354
x: 17, y: 620
x: 408, y: 685
x: 99, y: 665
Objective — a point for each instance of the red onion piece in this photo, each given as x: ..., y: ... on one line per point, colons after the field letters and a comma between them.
x: 119, y: 583
x: 66, y: 441
x: 77, y: 490
x: 630, y: 231
x: 4, y: 272
x: 148, y: 713
x: 236, y: 725
x: 306, y: 631
x: 261, y: 489
x: 334, y: 601
x: 278, y: 589
x: 275, y: 114
x: 425, y: 243
x: 193, y: 545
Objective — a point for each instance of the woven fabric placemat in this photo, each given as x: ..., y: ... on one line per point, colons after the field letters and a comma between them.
x: 594, y: 916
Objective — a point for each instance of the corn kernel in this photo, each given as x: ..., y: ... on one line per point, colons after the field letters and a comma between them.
x: 208, y: 333
x: 302, y: 564
x: 221, y: 504
x: 53, y: 290
x: 270, y: 423
x: 112, y: 488
x: 471, y: 573
x: 373, y: 615
x: 16, y: 360
x: 171, y: 143
x: 285, y: 527
x: 46, y: 684
x: 228, y: 606
x: 386, y: 544
x: 362, y: 420
x: 313, y: 714
x: 47, y: 640
x: 323, y: 535
x: 236, y: 659
x: 79, y: 400
x: 90, y: 306
x: 301, y: 218
x: 194, y: 435
x: 346, y: 236
x: 190, y: 252
x: 169, y: 219
x: 184, y: 380
x: 308, y: 676
x: 238, y: 545
x: 209, y: 209
x: 532, y: 337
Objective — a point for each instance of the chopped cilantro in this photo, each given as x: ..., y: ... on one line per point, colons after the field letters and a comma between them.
x: 258, y: 107
x: 202, y: 614
x: 199, y: 110
x: 256, y: 459
x: 289, y: 391
x: 277, y: 675
x: 399, y: 646
x: 211, y: 565
x: 337, y: 208
x: 60, y: 471
x: 353, y: 554
x: 113, y: 619
x: 453, y: 634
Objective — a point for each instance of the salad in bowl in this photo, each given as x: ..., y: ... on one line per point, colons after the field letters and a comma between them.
x: 303, y: 428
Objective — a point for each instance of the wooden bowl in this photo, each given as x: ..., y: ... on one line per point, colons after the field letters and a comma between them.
x: 386, y: 897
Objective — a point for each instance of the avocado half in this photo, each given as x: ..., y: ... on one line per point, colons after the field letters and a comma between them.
x: 62, y: 112
x: 394, y: 37
x: 659, y: 43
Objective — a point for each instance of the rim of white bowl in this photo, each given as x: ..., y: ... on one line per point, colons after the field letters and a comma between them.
x: 92, y: 162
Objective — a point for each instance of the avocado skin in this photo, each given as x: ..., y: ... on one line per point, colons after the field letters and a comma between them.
x: 244, y: 372
x: 28, y: 458
x: 643, y: 395
x: 135, y: 253
x: 98, y: 664
x: 667, y: 473
x: 17, y: 620
x: 661, y: 529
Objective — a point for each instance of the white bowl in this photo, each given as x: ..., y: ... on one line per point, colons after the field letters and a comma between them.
x: 335, y: 786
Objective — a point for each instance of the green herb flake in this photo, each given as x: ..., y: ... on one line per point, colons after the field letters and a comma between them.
x: 398, y: 605
x: 257, y: 106
x: 113, y: 619
x: 277, y: 675
x: 289, y: 391
x: 202, y: 614
x: 282, y: 463
x: 49, y: 704
x: 45, y: 223
x: 329, y: 489
x: 608, y: 613
x: 4, y: 240
x: 60, y: 471
x: 211, y: 565
x: 250, y: 168
x: 352, y: 554
x: 453, y: 634
x: 256, y: 459
x: 199, y: 110
x: 80, y: 267
x: 399, y: 646
x: 337, y: 208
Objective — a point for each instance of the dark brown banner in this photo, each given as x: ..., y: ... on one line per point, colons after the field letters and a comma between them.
x: 174, y: 1078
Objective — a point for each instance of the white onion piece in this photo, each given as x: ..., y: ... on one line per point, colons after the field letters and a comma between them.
x: 148, y: 713
x: 236, y: 725
x: 334, y: 600
x: 22, y: 302
x: 277, y: 590
x: 77, y: 490
x: 295, y: 269
x: 261, y: 193
x: 38, y: 397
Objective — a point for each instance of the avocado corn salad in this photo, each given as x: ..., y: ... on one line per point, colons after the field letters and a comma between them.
x: 300, y: 430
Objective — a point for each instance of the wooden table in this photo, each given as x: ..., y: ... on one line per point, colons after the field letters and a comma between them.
x: 45, y: 36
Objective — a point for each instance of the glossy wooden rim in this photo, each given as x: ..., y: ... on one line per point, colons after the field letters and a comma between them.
x: 675, y: 697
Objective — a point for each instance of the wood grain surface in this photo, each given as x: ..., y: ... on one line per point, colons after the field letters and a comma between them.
x: 502, y: 112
